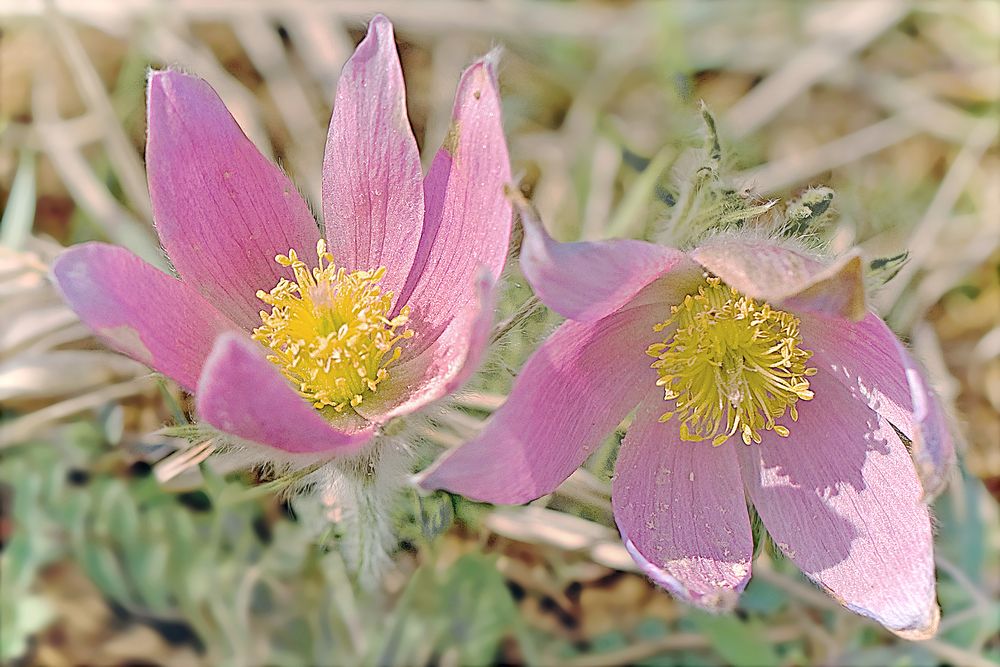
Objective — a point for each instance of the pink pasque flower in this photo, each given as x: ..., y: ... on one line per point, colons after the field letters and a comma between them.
x: 760, y: 350
x: 307, y: 354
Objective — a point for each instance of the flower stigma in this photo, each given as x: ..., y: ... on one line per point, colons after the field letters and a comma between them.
x: 732, y: 365
x: 329, y: 330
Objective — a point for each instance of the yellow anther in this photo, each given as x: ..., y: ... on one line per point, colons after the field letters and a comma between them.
x: 329, y: 330
x: 732, y: 365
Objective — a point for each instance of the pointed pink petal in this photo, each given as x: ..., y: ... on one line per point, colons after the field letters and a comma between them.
x: 837, y: 291
x: 681, y: 511
x: 586, y: 281
x: 571, y: 393
x: 841, y: 498
x: 785, y: 277
x: 243, y: 394
x: 441, y: 368
x: 468, y: 217
x: 869, y: 360
x: 373, y: 201
x: 222, y: 210
x: 139, y: 310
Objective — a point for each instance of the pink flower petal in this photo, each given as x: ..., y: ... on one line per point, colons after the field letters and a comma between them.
x: 841, y: 498
x: 586, y: 281
x: 373, y: 200
x: 869, y: 360
x: 838, y: 291
x: 933, y: 449
x: 467, y: 216
x: 222, y: 210
x: 785, y: 277
x: 441, y: 368
x: 571, y: 393
x: 243, y: 394
x: 139, y: 310
x: 681, y: 510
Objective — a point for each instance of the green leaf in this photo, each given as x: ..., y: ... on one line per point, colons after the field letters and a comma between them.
x: 482, y: 609
x: 148, y: 569
x: 414, y: 609
x: 104, y: 570
x: 117, y: 516
x: 763, y: 597
x: 962, y: 537
x: 739, y: 643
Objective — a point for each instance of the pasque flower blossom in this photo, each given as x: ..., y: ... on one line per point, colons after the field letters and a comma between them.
x: 757, y: 373
x: 300, y: 343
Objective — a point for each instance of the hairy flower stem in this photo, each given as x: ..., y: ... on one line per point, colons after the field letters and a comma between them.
x: 682, y: 228
x: 361, y: 492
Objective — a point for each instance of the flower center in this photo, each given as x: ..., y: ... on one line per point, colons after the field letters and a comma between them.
x: 329, y: 331
x: 732, y: 365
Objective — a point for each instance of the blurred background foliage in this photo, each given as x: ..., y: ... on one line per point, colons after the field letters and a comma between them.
x: 122, y: 545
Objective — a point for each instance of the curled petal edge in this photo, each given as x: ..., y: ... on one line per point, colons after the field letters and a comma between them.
x: 243, y: 394
x: 724, y: 600
x: 932, y: 447
x: 788, y: 278
x: 586, y: 281
x: 443, y: 366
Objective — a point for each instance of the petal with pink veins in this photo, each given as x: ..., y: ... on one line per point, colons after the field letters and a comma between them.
x: 373, y: 201
x: 869, y: 360
x: 441, y: 368
x: 222, y: 210
x: 841, y: 499
x: 586, y: 280
x: 140, y: 311
x: 571, y: 393
x: 467, y: 216
x: 681, y: 510
x: 785, y: 277
x: 244, y: 394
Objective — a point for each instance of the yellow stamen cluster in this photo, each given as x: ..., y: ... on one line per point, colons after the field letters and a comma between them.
x: 329, y: 330
x: 733, y: 365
